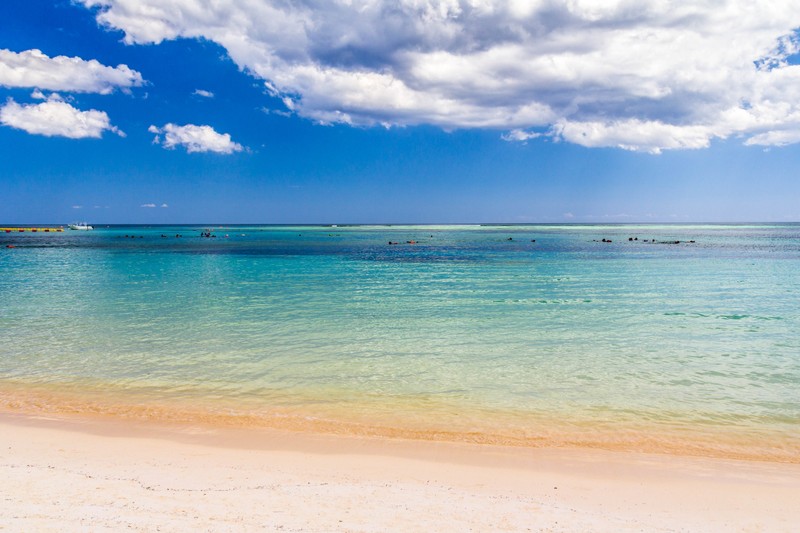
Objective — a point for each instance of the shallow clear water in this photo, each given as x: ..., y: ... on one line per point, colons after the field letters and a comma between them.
x: 471, y: 333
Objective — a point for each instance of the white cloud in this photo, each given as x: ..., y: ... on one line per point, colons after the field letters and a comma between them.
x: 164, y: 205
x: 56, y: 118
x: 637, y: 135
x: 149, y: 206
x: 640, y: 75
x: 775, y: 138
x: 203, y: 93
x: 32, y: 68
x: 77, y: 207
x: 520, y: 135
x: 195, y: 138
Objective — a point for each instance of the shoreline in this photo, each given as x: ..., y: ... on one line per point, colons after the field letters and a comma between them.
x: 43, y: 402
x: 69, y: 472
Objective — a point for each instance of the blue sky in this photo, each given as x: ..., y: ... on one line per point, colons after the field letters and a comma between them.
x: 422, y: 112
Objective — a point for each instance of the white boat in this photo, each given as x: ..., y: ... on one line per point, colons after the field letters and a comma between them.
x: 80, y: 226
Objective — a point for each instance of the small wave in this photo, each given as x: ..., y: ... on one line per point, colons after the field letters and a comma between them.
x: 754, y: 317
x: 733, y: 316
x: 543, y: 301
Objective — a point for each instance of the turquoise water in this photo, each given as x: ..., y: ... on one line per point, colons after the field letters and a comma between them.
x: 470, y: 333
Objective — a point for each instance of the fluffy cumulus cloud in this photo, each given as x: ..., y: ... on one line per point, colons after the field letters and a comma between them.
x: 55, y: 117
x: 32, y: 68
x: 635, y: 74
x: 195, y: 138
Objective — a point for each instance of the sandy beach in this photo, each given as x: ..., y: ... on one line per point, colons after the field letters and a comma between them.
x: 71, y: 473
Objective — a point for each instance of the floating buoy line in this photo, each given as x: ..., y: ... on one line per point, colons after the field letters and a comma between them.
x: 31, y: 230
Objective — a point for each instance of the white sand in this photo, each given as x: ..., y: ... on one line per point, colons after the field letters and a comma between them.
x: 74, y: 474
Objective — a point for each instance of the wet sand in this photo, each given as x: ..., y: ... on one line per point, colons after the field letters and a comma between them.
x: 68, y: 473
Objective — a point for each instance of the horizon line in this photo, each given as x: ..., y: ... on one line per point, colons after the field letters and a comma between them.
x: 389, y: 224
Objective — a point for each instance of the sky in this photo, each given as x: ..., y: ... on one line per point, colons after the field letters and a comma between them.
x: 409, y: 111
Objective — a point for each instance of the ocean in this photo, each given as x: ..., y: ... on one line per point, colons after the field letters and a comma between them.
x: 679, y: 339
